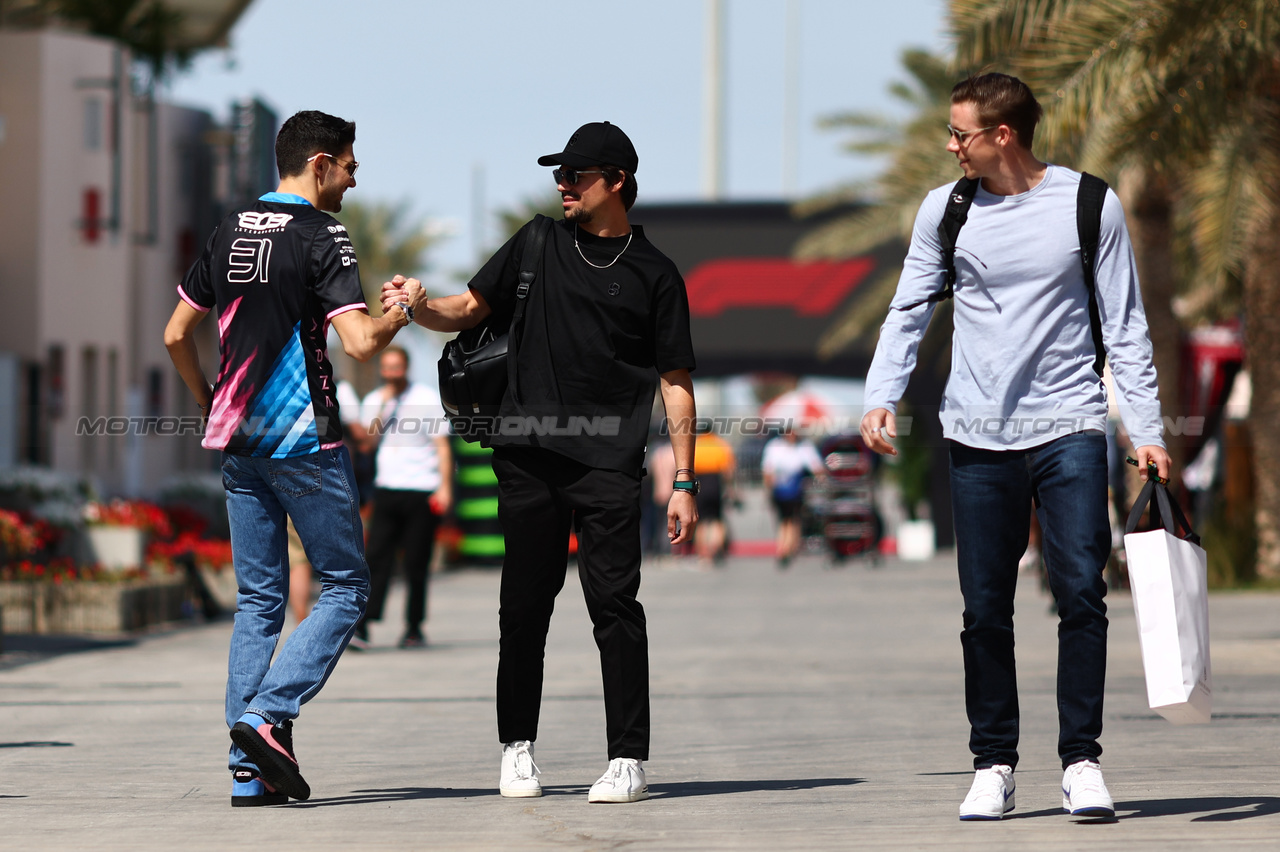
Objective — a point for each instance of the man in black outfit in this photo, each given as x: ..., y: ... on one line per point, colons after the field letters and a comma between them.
x: 606, y: 323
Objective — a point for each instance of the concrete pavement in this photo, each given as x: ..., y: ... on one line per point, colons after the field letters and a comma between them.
x: 807, y: 709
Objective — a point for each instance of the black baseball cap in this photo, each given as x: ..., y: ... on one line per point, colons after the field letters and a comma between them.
x: 596, y: 144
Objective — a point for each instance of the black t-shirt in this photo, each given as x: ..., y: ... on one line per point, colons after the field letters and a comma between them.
x: 278, y: 272
x: 593, y: 343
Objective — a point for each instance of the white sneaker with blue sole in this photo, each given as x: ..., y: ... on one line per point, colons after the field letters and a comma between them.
x: 991, y: 796
x: 1084, y: 793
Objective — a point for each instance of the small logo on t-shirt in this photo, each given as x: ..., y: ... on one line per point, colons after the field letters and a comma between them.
x: 252, y: 220
x: 614, y: 289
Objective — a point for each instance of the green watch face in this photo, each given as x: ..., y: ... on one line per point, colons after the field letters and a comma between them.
x: 690, y: 485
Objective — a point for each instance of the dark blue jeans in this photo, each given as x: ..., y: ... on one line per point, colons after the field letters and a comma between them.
x: 991, y: 492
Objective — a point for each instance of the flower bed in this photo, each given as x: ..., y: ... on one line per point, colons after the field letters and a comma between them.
x: 93, y: 606
x: 139, y: 586
x: 59, y: 597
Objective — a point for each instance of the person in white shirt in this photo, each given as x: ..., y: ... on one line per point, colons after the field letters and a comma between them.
x: 413, y: 487
x: 786, y: 462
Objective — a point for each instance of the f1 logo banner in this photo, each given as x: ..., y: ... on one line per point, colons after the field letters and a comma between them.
x: 249, y: 260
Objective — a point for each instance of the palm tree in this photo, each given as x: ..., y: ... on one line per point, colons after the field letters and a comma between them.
x: 919, y: 163
x: 387, y: 240
x: 1173, y: 88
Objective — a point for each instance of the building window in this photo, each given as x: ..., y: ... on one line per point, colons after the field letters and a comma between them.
x: 89, y: 406
x: 93, y: 124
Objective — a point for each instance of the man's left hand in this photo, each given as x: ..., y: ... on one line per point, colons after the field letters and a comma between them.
x: 401, y: 289
x: 1157, y: 456
x: 682, y: 517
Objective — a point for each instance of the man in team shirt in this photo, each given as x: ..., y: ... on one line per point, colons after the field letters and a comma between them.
x: 279, y: 271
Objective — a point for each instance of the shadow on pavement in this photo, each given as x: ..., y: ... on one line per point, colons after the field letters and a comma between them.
x: 37, y: 744
x: 1213, y: 808
x: 681, y: 789
x: 23, y: 648
x: 678, y: 789
x: 1059, y: 812
x: 395, y: 794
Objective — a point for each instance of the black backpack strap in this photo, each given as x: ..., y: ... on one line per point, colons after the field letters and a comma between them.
x: 1089, y: 199
x: 953, y: 219
x: 530, y: 261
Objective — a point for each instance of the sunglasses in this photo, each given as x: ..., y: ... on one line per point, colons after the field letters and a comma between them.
x: 570, y: 177
x: 962, y: 136
x: 350, y: 167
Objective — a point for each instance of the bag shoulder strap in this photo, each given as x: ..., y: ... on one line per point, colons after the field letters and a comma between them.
x: 1089, y: 200
x: 530, y: 261
x: 953, y: 219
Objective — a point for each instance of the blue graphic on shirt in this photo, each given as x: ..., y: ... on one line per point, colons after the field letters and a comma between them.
x: 283, y: 198
x: 282, y: 418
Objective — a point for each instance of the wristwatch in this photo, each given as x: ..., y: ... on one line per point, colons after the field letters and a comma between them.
x: 408, y: 311
x: 690, y: 485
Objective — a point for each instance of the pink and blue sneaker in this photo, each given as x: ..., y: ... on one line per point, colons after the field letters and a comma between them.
x: 250, y: 791
x: 271, y: 748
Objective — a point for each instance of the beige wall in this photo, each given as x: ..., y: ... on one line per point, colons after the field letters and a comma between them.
x: 19, y: 195
x: 105, y: 303
x: 83, y: 285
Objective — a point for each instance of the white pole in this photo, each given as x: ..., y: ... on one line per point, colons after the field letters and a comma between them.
x: 791, y: 102
x: 479, y: 215
x: 713, y: 104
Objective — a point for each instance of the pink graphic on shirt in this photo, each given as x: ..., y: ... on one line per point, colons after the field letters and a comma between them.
x: 190, y: 301
x: 229, y: 405
x: 224, y: 319
x: 232, y: 397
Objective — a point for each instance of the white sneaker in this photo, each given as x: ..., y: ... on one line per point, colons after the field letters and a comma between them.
x: 1084, y: 793
x: 991, y: 796
x: 519, y: 772
x: 623, y: 781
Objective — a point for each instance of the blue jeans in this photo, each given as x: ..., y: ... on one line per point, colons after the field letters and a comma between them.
x: 319, y: 492
x: 991, y: 492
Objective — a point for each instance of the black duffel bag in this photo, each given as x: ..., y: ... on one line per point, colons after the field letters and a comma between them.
x: 478, y: 365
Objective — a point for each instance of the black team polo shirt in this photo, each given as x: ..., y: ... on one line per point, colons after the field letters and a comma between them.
x: 594, y: 342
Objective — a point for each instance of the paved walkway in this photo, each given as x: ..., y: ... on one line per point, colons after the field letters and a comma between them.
x: 811, y: 709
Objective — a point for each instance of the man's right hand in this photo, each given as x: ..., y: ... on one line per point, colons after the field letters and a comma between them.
x: 877, y: 425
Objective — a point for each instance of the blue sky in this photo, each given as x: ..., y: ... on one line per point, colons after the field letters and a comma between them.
x: 442, y: 89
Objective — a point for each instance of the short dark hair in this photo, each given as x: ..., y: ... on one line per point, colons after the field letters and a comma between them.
x: 307, y: 133
x: 1001, y: 99
x: 394, y: 349
x: 613, y: 174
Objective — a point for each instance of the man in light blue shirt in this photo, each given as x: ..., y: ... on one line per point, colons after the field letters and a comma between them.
x: 1025, y: 414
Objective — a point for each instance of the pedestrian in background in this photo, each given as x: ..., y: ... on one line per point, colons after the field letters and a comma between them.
x: 1026, y: 368
x: 413, y: 488
x: 280, y: 270
x: 607, y: 324
x: 714, y: 465
x: 786, y: 463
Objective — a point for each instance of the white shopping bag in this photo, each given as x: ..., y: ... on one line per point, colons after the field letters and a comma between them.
x: 1171, y: 605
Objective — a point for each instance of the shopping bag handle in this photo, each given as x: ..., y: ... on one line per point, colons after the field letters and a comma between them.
x: 1166, y: 512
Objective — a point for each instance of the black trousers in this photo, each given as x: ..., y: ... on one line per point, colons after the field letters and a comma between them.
x: 540, y: 493
x: 401, y: 519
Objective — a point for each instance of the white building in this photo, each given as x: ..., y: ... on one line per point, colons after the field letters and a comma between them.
x: 107, y: 197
